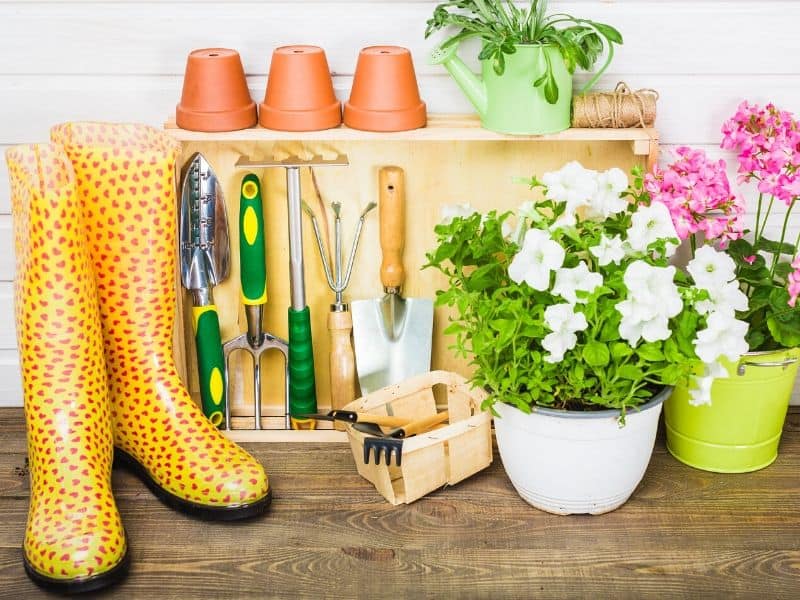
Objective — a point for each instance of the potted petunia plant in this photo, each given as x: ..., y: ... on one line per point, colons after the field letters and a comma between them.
x: 578, y: 326
x: 731, y: 418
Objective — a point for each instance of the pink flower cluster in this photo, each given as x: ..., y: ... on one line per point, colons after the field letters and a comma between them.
x: 768, y: 143
x: 698, y: 195
x: 794, y: 282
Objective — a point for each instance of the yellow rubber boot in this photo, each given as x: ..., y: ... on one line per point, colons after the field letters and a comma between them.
x: 125, y: 176
x: 74, y: 540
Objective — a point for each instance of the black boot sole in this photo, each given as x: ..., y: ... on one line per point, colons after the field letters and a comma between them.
x: 83, y: 585
x: 199, y: 511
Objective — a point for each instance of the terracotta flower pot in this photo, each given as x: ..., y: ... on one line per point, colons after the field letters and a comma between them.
x: 385, y: 95
x: 215, y: 95
x: 300, y: 91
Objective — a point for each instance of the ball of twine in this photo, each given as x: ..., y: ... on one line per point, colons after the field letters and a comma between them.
x: 621, y: 108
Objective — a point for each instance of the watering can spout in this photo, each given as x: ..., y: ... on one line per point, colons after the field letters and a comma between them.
x: 472, y: 86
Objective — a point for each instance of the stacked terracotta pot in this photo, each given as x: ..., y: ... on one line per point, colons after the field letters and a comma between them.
x: 299, y: 96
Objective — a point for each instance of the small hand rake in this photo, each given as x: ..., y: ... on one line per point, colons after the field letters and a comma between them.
x: 391, y: 443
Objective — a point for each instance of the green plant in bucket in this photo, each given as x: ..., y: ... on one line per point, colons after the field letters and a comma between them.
x: 502, y: 27
x: 732, y: 418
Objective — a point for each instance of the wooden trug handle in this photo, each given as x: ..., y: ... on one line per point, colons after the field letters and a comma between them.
x: 342, y: 361
x: 392, y: 210
x: 423, y: 425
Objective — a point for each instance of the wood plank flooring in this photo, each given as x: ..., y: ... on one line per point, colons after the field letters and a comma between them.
x: 684, y: 534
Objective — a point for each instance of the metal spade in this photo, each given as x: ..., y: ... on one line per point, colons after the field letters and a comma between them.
x: 392, y: 334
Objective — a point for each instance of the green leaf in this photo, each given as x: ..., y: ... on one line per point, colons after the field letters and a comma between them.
x: 785, y: 331
x: 650, y: 352
x: 774, y: 247
x: 630, y: 372
x: 783, y: 269
x: 609, y: 32
x: 671, y: 351
x: 620, y: 351
x: 596, y: 354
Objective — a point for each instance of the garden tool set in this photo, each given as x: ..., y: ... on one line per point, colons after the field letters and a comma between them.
x: 340, y: 321
x: 302, y: 388
x: 205, y: 262
x: 253, y: 272
x: 392, y: 335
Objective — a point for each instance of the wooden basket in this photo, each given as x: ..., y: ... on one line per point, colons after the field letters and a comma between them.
x: 431, y: 460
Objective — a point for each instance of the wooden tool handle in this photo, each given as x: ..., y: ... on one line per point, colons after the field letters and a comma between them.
x: 342, y: 361
x: 382, y: 420
x: 392, y: 209
x: 423, y: 425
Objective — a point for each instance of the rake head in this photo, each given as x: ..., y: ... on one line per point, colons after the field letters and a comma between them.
x: 390, y: 447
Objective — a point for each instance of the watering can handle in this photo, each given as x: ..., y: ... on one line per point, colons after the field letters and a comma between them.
x: 590, y: 84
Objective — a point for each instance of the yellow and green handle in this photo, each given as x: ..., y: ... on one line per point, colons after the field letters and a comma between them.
x: 210, y: 362
x: 252, y: 256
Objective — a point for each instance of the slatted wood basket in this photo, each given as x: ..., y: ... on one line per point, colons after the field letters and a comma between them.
x: 443, y: 456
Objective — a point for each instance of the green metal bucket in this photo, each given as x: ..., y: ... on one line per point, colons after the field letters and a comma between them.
x: 741, y: 428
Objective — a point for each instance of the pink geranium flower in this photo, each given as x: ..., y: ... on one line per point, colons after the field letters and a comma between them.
x: 768, y: 144
x: 698, y: 195
x: 794, y: 282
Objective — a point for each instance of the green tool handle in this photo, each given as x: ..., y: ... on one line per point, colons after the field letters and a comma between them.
x: 210, y: 362
x: 252, y: 256
x: 302, y: 390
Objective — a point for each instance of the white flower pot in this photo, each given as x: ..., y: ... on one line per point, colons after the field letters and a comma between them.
x: 568, y: 462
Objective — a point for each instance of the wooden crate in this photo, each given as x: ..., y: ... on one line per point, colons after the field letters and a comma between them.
x: 451, y: 161
x: 443, y: 456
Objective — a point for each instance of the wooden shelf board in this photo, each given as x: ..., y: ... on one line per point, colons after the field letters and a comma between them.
x: 285, y: 436
x: 440, y: 128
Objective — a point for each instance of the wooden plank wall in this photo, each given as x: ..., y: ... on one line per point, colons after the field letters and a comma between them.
x: 113, y: 60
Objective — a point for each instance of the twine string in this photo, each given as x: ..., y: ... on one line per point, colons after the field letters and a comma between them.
x: 621, y: 108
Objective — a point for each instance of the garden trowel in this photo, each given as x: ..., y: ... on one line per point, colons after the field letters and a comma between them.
x: 205, y: 262
x: 392, y: 334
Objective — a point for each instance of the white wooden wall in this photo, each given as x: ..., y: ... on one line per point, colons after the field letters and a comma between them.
x: 72, y: 59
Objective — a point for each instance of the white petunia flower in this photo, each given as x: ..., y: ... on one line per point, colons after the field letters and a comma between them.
x: 654, y: 286
x: 539, y: 256
x: 650, y: 224
x: 569, y: 281
x: 710, y: 268
x: 609, y: 250
x: 572, y: 184
x: 642, y: 322
x: 449, y: 212
x: 653, y: 299
x: 526, y: 214
x: 723, y: 336
x: 564, y: 322
x: 607, y: 199
x: 726, y: 298
x: 700, y: 393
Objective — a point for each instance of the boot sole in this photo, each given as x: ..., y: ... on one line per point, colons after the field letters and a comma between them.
x: 92, y: 583
x: 193, y: 509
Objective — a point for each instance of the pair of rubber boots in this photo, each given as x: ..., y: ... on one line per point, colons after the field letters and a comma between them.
x: 95, y: 234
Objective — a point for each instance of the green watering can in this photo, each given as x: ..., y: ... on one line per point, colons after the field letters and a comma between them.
x: 510, y: 103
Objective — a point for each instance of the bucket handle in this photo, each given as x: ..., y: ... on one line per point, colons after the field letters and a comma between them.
x: 775, y: 363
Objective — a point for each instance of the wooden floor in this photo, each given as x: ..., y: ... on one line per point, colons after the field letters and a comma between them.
x: 685, y: 533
